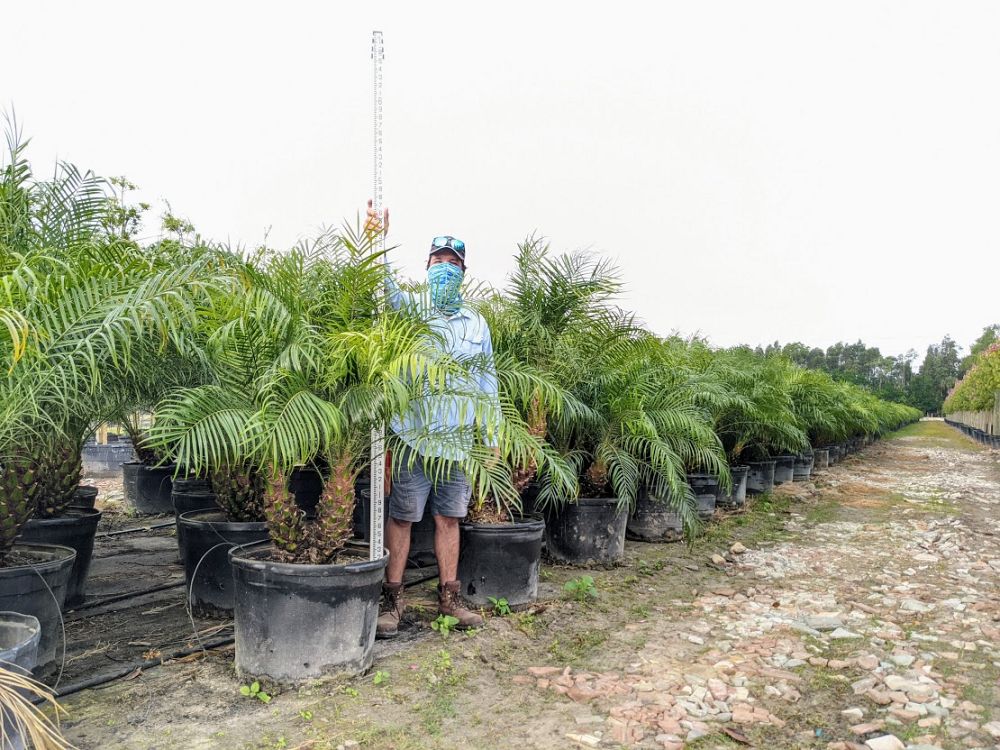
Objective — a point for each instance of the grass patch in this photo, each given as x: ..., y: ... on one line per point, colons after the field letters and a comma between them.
x: 937, y: 435
x: 764, y: 520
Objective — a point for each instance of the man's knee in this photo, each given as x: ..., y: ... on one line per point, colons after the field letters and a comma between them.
x: 401, y: 525
x: 446, y: 522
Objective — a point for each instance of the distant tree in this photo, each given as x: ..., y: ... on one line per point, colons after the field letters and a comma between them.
x: 938, y: 373
x: 989, y: 336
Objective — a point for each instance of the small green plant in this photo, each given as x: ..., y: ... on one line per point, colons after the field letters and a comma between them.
x: 641, y: 611
x: 444, y: 624
x: 526, y: 623
x: 305, y: 715
x: 349, y: 691
x: 581, y: 589
x: 442, y: 662
x: 381, y: 677
x: 501, y: 608
x: 253, y: 691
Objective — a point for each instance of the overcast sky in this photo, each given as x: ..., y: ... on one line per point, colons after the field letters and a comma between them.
x: 762, y: 170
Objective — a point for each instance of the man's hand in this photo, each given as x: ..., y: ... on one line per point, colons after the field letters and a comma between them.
x: 373, y: 224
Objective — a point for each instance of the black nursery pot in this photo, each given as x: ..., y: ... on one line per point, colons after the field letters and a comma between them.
x: 821, y: 458
x: 784, y: 469
x: 148, y: 488
x: 85, y: 496
x: 192, y: 485
x: 590, y: 530
x: 760, y: 477
x: 298, y: 622
x: 706, y: 491
x: 654, y: 521
x: 501, y: 560
x: 74, y: 529
x: 205, y: 538
x: 833, y: 454
x: 803, y: 466
x: 39, y: 589
x: 306, y: 485
x: 737, y: 497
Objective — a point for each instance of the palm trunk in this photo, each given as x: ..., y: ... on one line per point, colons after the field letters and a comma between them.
x: 19, y: 490
x: 334, y: 524
x: 285, y: 520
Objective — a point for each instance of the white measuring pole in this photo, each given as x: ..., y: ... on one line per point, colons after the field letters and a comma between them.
x: 377, y: 517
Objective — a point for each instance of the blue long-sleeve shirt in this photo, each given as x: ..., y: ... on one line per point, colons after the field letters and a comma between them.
x: 445, y: 425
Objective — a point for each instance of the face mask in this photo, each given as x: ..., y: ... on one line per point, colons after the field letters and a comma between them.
x: 445, y: 281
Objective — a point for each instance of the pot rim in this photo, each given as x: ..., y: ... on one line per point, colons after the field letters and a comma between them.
x: 532, y: 521
x: 58, y: 555
x: 186, y: 519
x: 73, y: 513
x: 240, y: 556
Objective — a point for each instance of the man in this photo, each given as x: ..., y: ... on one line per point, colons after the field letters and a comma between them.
x: 436, y: 428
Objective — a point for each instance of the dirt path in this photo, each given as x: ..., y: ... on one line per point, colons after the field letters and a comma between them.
x: 841, y: 611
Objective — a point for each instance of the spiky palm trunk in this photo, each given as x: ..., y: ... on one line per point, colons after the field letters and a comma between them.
x: 537, y: 427
x: 285, y: 520
x: 239, y: 491
x: 62, y: 469
x: 19, y: 490
x: 334, y: 525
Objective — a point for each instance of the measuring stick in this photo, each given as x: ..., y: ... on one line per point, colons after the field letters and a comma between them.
x: 377, y: 514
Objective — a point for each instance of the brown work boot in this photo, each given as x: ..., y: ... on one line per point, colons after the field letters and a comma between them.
x: 450, y: 603
x: 390, y: 611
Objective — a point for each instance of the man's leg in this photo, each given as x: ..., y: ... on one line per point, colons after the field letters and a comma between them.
x: 397, y: 539
x: 449, y: 504
x: 446, y: 539
x: 410, y: 490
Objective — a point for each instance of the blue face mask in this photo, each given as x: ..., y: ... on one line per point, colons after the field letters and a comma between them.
x: 445, y: 282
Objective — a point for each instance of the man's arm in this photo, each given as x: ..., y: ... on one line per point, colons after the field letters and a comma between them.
x: 374, y: 224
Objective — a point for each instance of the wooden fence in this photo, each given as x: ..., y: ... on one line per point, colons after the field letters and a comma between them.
x: 987, y: 421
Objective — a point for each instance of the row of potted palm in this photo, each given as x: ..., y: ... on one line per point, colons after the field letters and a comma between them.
x: 257, y: 367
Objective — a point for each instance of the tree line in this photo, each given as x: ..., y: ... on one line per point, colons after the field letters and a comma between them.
x: 893, y: 378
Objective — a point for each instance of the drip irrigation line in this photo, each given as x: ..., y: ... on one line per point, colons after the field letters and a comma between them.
x: 103, y: 679
x: 128, y: 595
x: 137, y: 529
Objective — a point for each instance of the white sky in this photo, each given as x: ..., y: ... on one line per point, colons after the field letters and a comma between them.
x: 762, y: 170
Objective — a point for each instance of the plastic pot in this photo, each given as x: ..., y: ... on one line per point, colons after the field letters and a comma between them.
x: 39, y: 589
x: 298, y: 622
x: 19, y: 635
x: 706, y: 492
x: 85, y: 496
x: 205, y: 538
x: 306, y: 485
x: 833, y: 454
x: 192, y: 485
x: 654, y: 521
x: 148, y: 488
x: 784, y: 469
x: 74, y: 529
x: 501, y: 560
x: 821, y: 458
x: 803, y: 466
x: 590, y: 530
x: 760, y: 477
x: 737, y: 497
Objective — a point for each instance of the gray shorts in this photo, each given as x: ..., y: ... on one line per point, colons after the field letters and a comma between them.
x: 411, y: 489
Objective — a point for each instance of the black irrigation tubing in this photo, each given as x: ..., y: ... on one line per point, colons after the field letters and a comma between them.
x: 137, y: 529
x: 103, y: 679
x: 127, y: 595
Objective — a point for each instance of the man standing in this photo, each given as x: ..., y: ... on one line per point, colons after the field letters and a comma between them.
x: 464, y: 335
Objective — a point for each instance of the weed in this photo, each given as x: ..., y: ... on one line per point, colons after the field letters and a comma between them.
x: 581, y: 589
x: 526, y: 624
x: 253, y: 691
x: 640, y: 611
x: 305, y: 715
x: 501, y: 607
x: 381, y: 677
x: 444, y: 624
